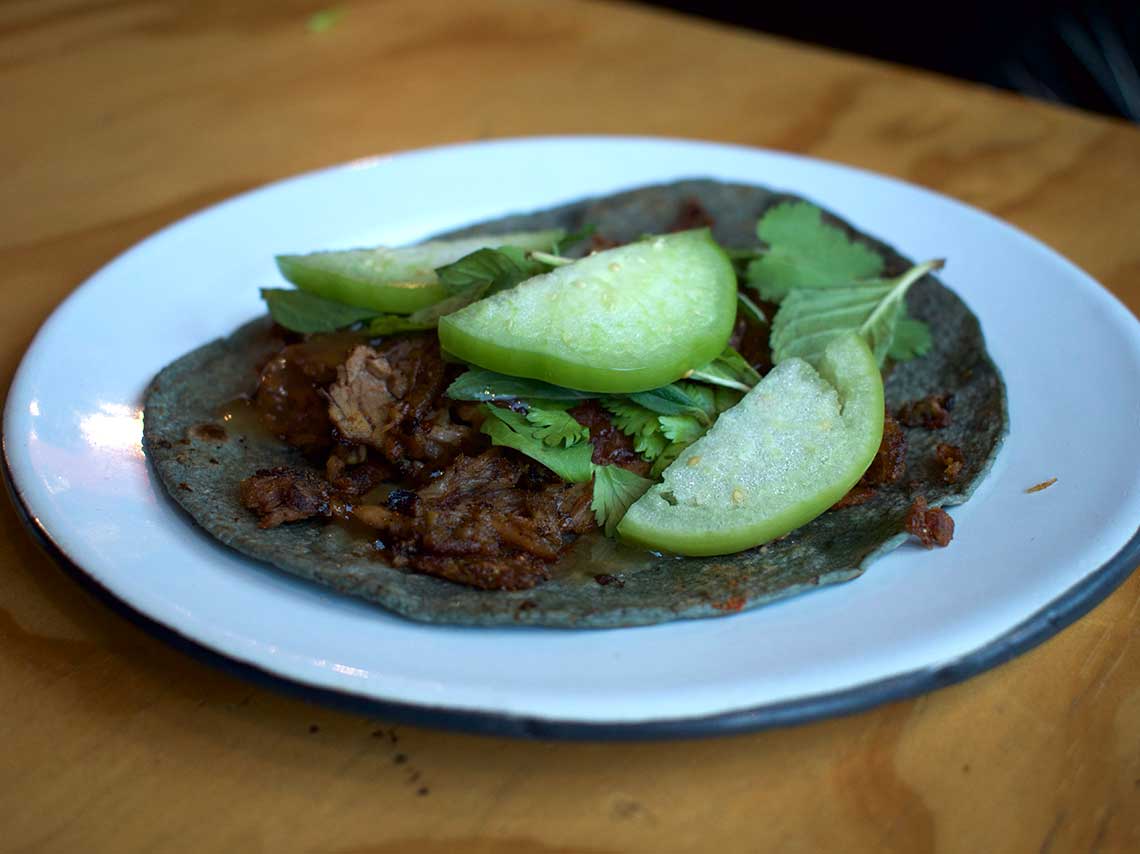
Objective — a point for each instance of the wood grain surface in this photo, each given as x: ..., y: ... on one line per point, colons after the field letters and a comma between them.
x: 121, y: 116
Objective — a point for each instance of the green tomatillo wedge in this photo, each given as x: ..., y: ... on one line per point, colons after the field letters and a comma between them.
x: 791, y: 448
x: 396, y: 280
x: 625, y: 320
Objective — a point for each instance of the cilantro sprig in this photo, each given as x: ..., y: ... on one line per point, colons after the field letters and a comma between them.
x: 615, y: 489
x: 506, y: 427
x: 827, y: 284
x: 805, y: 252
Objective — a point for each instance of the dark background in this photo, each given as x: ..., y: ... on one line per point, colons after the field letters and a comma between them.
x: 1082, y: 54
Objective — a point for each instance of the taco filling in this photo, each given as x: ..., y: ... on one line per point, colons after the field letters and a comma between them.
x: 734, y: 389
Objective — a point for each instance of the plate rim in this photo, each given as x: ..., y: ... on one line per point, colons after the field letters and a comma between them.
x: 1058, y: 613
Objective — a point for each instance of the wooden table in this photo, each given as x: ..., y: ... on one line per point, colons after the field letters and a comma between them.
x: 120, y: 117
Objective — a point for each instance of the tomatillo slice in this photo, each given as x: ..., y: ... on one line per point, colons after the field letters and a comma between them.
x: 625, y: 320
x: 396, y: 280
x: 791, y: 448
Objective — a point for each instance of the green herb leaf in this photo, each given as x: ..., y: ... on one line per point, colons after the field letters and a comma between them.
x: 912, y: 338
x: 556, y: 427
x: 640, y: 424
x: 730, y: 370
x: 425, y: 318
x: 804, y: 252
x: 301, y: 311
x: 544, y: 403
x: 667, y: 457
x: 703, y: 395
x: 674, y: 399
x: 725, y: 398
x: 660, y: 437
x: 574, y: 237
x: 492, y: 269
x: 615, y: 489
x: 684, y: 429
x: 478, y: 384
x: 512, y: 430
x: 809, y: 318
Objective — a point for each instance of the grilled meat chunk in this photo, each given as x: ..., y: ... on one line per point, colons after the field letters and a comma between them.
x: 931, y: 412
x: 889, y: 464
x: 391, y: 399
x: 950, y: 459
x: 289, y: 398
x: 285, y: 495
x: 932, y: 525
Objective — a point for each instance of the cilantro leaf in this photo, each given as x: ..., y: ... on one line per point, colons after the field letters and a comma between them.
x: 478, y: 384
x: 556, y: 427
x: 425, y: 318
x: 615, y: 489
x: 810, y: 318
x: 512, y: 430
x: 667, y: 457
x: 725, y: 398
x: 661, y: 436
x: 730, y: 370
x: 803, y: 251
x: 301, y: 311
x: 684, y: 429
x: 912, y: 338
x: 704, y: 396
x: 493, y: 269
x: 640, y: 424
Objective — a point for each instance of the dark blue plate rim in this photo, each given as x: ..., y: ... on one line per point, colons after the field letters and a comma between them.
x: 1062, y: 611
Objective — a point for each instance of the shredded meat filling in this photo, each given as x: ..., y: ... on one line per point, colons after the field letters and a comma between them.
x: 391, y: 400
x: 361, y: 405
x: 289, y: 398
x: 491, y: 518
x: 483, y: 522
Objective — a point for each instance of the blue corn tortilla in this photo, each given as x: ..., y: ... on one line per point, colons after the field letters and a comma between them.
x: 600, y: 583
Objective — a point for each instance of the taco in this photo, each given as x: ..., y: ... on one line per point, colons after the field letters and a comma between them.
x: 435, y: 523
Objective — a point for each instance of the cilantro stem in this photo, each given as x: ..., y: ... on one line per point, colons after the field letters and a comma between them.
x: 552, y: 260
x: 899, y: 290
x: 713, y: 379
x: 751, y: 309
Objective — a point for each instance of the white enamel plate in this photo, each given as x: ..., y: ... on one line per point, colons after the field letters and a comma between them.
x: 1020, y: 567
